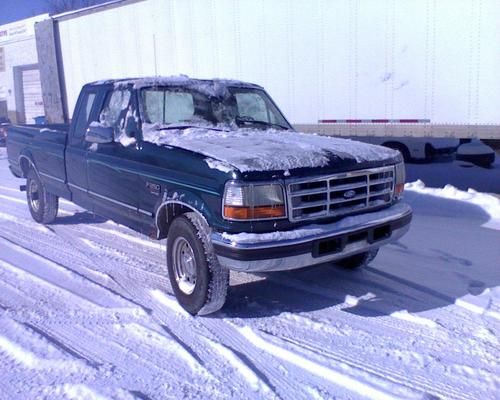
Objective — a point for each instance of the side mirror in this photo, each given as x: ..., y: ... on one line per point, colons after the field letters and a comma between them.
x: 99, y: 134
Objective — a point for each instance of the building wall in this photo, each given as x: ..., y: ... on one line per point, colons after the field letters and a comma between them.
x: 320, y: 59
x: 19, y: 44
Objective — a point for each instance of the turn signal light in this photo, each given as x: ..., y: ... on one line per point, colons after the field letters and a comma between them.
x: 243, y: 213
x: 398, y: 191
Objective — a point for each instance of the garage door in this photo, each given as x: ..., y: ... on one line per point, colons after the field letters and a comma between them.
x: 32, y: 94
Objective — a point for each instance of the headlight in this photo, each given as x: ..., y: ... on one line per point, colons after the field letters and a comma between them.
x: 400, y: 180
x: 253, y: 201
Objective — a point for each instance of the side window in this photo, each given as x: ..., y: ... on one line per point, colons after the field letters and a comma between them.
x: 252, y: 105
x: 82, y: 121
x: 115, y: 109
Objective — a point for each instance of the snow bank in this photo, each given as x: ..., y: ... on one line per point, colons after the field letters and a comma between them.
x: 266, y: 150
x: 490, y: 204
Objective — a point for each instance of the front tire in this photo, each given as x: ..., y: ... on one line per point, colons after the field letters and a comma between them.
x: 43, y: 205
x: 358, y: 260
x: 199, y: 282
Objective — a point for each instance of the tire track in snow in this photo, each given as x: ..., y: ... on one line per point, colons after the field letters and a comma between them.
x: 255, y: 382
x: 432, y: 329
x: 130, y: 358
x: 13, y: 199
x: 24, y: 222
x: 58, y: 277
x: 417, y: 382
x: 301, y: 327
x: 266, y: 364
x: 341, y: 303
x: 196, y: 340
x: 98, y: 275
x: 190, y: 333
x: 33, y: 352
x: 149, y: 263
x: 337, y: 378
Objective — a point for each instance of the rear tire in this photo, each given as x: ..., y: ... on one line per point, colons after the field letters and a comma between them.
x: 199, y: 282
x: 43, y: 205
x: 358, y: 260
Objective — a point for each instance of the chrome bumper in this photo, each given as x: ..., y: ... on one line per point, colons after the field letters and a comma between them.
x: 312, y: 244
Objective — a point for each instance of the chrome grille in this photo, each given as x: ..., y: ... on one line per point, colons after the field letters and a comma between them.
x: 340, y: 194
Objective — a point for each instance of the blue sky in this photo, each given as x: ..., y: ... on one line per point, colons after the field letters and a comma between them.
x: 13, y: 10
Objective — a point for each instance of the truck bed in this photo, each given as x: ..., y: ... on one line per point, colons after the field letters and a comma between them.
x: 45, y: 146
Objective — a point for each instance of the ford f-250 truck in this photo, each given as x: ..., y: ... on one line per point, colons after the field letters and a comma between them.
x: 214, y: 167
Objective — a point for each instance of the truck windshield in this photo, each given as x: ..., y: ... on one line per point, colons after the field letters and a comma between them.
x: 177, y: 108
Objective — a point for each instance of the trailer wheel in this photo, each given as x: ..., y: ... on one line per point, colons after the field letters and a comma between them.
x: 401, y: 148
x: 358, y: 260
x: 43, y: 205
x: 199, y: 282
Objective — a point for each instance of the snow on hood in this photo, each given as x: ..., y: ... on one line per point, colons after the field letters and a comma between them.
x: 266, y: 150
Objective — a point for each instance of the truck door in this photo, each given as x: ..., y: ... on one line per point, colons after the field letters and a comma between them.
x: 112, y: 167
x: 76, y: 150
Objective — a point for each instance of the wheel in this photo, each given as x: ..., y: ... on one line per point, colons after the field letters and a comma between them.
x: 42, y: 204
x: 358, y: 260
x: 401, y: 148
x: 199, y: 282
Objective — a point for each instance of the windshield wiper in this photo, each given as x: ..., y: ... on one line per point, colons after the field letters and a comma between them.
x: 186, y: 126
x: 250, y: 120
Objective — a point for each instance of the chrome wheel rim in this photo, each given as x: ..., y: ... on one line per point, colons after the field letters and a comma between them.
x: 184, y: 265
x: 34, y: 196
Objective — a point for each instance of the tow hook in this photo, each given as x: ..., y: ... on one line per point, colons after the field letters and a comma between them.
x: 22, y: 188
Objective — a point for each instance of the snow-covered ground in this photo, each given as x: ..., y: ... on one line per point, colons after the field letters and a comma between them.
x: 86, y: 312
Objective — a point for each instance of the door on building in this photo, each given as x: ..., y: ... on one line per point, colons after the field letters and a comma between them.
x: 32, y: 95
x: 28, y: 93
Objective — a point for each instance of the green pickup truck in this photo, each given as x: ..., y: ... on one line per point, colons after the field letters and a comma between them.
x: 214, y: 167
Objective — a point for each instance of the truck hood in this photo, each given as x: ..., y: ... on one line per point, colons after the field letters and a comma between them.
x: 249, y: 150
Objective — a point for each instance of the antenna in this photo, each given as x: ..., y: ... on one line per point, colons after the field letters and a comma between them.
x: 154, y: 50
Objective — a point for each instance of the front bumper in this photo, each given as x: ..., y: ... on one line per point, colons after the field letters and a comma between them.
x: 312, y: 244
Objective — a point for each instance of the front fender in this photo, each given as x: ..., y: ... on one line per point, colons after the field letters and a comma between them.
x: 178, y: 204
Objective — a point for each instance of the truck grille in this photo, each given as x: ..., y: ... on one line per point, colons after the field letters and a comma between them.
x: 340, y: 194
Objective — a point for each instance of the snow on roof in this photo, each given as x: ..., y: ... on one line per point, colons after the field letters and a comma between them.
x: 175, y: 80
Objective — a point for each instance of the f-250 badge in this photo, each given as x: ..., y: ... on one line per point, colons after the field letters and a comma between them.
x: 154, y: 188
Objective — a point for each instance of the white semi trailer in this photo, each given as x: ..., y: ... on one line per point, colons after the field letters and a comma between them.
x: 384, y: 68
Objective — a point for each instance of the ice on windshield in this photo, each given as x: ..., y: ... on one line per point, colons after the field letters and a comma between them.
x: 167, y: 106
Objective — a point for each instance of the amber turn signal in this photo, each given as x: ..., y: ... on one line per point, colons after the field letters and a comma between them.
x: 260, y: 212
x: 400, y: 187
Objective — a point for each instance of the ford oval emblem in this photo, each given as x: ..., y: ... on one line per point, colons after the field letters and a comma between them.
x: 349, y: 194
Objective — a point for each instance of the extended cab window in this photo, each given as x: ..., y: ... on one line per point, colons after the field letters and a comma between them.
x: 82, y: 121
